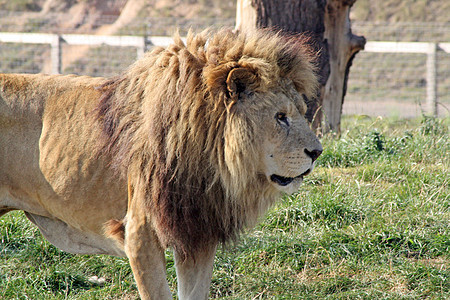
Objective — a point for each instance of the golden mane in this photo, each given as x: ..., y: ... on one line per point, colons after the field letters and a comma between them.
x: 170, y: 124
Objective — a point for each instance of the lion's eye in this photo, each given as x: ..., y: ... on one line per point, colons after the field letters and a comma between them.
x: 282, y: 119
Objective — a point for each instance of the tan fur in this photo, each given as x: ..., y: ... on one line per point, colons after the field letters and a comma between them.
x: 199, y: 129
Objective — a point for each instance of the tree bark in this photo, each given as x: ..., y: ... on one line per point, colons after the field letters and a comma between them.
x: 327, y: 24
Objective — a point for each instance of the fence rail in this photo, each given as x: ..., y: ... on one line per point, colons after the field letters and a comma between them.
x: 142, y: 43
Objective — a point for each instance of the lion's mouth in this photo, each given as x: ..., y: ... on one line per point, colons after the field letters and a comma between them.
x: 283, y: 181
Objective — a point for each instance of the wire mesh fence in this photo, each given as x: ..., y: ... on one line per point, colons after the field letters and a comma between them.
x: 403, y: 31
x: 12, y: 21
x: 379, y: 83
x: 394, y: 84
x: 23, y: 58
x: 105, y: 61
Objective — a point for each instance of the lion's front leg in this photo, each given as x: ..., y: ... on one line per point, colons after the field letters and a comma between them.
x: 146, y: 258
x: 194, y: 274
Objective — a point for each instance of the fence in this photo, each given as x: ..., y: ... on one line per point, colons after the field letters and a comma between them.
x: 430, y: 49
x: 141, y: 44
x: 55, y: 40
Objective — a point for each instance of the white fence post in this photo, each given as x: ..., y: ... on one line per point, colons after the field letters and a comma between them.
x: 56, y: 60
x: 140, y: 50
x: 431, y: 79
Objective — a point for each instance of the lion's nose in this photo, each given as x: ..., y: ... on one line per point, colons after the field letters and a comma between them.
x: 314, y: 154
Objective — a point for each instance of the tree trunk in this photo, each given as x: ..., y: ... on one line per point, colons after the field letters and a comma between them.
x: 342, y: 48
x: 327, y: 23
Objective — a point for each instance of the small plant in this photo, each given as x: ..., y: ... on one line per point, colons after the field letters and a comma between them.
x: 431, y: 126
x: 374, y: 141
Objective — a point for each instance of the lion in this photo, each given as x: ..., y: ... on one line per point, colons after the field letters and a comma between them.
x: 184, y: 150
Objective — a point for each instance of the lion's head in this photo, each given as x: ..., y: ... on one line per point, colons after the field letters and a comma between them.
x: 210, y: 132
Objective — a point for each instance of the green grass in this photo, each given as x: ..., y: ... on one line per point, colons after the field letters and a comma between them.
x: 371, y: 222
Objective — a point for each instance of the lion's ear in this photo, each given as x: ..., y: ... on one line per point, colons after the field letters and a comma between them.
x: 240, y: 82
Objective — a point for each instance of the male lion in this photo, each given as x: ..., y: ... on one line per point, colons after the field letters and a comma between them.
x: 184, y: 150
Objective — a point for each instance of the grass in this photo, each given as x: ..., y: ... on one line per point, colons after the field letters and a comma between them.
x: 372, y: 221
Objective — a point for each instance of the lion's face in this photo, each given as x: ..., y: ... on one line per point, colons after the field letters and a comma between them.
x: 287, y: 146
x: 290, y: 147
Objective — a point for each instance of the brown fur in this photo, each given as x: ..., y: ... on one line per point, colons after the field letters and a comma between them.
x: 116, y: 230
x: 171, y: 124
